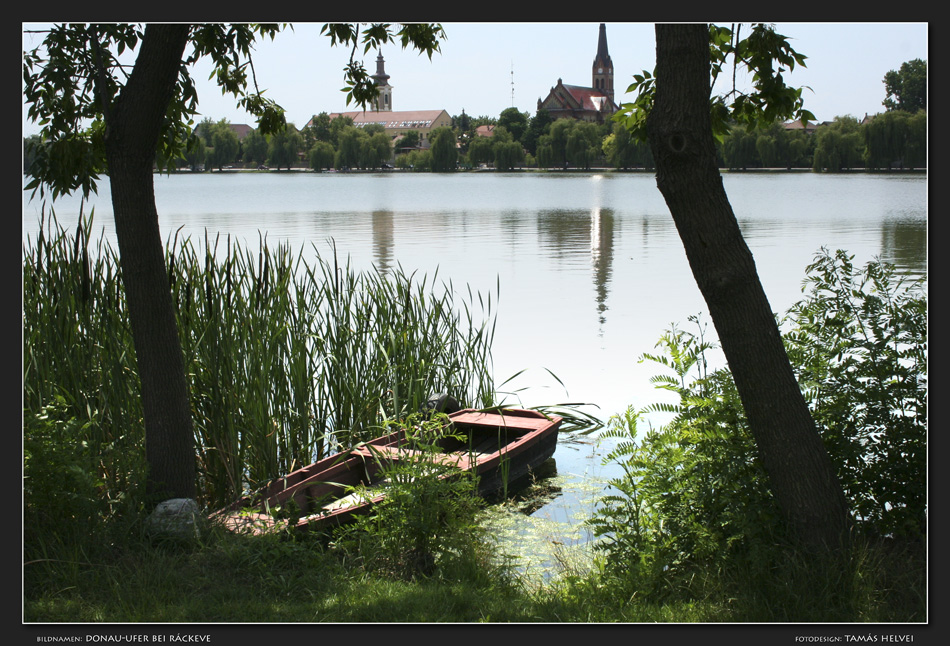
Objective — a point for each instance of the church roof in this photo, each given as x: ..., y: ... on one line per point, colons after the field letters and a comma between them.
x: 394, y: 119
x: 577, y: 97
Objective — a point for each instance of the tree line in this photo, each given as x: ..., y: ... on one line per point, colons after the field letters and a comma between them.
x: 895, y: 139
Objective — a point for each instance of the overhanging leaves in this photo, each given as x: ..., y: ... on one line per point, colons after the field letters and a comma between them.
x: 765, y: 54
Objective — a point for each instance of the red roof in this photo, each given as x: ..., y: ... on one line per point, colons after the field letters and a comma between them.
x: 400, y: 119
x: 577, y: 98
x: 587, y: 98
x: 798, y: 125
x: 240, y: 129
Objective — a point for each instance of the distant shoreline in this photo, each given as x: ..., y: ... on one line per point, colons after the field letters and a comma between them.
x: 913, y: 171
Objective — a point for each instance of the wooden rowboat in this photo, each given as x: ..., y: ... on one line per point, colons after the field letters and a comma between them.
x: 502, y: 447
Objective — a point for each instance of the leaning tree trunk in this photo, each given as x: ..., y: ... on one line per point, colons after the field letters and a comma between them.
x: 133, y: 126
x: 679, y: 129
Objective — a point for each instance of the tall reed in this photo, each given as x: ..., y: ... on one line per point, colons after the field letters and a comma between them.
x: 287, y: 360
x: 77, y: 349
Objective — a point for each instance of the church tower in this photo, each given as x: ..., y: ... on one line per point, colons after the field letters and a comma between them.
x: 384, y: 102
x: 603, y: 68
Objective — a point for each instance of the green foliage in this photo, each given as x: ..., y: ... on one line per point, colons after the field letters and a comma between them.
x: 443, y: 149
x: 321, y: 156
x: 858, y: 341
x: 583, y: 145
x: 74, y: 80
x: 693, y: 498
x: 375, y: 150
x: 348, y: 150
x: 427, y: 523
x: 62, y: 482
x: 77, y: 350
x: 224, y: 145
x: 254, y: 148
x: 838, y: 146
x: 761, y: 53
x: 692, y: 494
x: 417, y: 160
x: 633, y: 115
x: 514, y: 121
x: 537, y: 126
x: 764, y: 53
x: 571, y: 142
x: 283, y: 148
x: 480, y: 151
x: 360, y: 88
x: 508, y: 155
x: 408, y: 140
x: 623, y: 151
x: 739, y: 148
x: 284, y: 359
x: 896, y: 138
x: 907, y: 87
x: 318, y: 130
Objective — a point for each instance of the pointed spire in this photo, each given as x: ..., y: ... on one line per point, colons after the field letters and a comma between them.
x: 602, y: 54
x: 603, y: 68
x: 381, y: 76
x: 384, y: 102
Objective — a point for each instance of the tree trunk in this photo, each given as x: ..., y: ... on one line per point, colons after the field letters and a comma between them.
x: 132, y: 130
x: 679, y: 129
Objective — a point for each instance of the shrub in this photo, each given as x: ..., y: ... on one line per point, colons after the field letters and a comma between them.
x: 426, y: 525
x: 858, y: 343
x: 692, y: 492
x: 693, y: 498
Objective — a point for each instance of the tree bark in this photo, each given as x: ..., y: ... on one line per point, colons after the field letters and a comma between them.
x: 800, y: 471
x: 133, y: 126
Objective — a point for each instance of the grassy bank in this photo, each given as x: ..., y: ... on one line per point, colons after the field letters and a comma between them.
x: 288, y: 362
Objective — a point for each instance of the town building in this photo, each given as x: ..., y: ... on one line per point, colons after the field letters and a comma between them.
x: 240, y: 129
x: 806, y: 126
x: 594, y: 103
x: 396, y: 123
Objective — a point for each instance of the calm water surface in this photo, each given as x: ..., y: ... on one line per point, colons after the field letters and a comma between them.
x: 590, y: 267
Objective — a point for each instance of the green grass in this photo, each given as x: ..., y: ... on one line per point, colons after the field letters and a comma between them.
x: 228, y: 578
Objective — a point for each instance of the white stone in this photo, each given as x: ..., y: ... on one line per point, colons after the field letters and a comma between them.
x: 177, y: 518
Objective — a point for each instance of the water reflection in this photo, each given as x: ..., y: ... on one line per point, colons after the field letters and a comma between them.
x: 382, y: 231
x: 901, y: 244
x: 582, y: 238
x: 601, y: 254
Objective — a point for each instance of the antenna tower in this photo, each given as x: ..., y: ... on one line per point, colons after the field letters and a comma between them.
x: 512, y: 84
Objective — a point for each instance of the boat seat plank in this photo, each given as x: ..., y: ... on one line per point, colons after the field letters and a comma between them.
x: 513, y: 422
x: 399, y: 453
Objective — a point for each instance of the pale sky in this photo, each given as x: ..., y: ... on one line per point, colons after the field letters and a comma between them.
x: 485, y: 68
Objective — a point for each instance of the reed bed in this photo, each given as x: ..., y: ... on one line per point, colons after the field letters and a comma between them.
x: 287, y: 360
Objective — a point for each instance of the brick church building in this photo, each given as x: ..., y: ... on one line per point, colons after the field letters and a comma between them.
x: 594, y: 103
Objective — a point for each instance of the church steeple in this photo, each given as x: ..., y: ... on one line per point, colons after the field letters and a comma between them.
x: 603, y: 68
x: 384, y: 102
